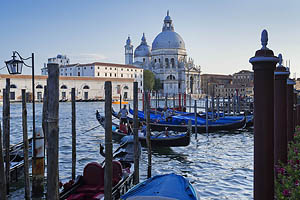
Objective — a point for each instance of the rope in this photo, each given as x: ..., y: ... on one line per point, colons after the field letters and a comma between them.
x: 91, y: 129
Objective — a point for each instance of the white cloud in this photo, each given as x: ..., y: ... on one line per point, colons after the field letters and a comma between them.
x: 87, y: 57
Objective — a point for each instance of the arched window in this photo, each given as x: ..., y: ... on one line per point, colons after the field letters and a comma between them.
x: 172, y: 62
x: 13, y: 86
x: 126, y: 87
x: 155, y: 60
x: 63, y: 87
x: 167, y: 62
x: 171, y: 77
x: 39, y: 87
x: 86, y: 87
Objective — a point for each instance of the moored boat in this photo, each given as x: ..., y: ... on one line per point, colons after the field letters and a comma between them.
x: 183, y: 127
x: 90, y: 186
x: 163, y: 187
x: 160, y: 139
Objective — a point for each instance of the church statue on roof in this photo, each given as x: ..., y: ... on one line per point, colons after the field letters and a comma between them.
x: 167, y: 59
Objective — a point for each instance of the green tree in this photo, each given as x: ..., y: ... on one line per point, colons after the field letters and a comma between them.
x: 148, y: 80
x: 157, y: 85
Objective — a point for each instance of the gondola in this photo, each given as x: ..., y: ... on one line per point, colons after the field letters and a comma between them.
x: 163, y: 187
x: 160, y: 139
x: 90, y: 185
x: 200, y: 128
x: 16, y: 155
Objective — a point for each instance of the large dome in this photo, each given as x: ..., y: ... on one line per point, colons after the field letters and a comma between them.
x: 143, y: 50
x: 168, y: 40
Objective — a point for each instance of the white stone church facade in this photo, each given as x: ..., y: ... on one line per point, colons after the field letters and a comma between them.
x: 167, y: 59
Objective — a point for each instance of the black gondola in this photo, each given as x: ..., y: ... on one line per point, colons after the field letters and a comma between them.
x: 160, y: 139
x: 200, y: 128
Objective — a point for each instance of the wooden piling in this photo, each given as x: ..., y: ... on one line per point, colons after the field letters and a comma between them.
x: 264, y: 63
x: 120, y: 101
x: 179, y: 101
x: 25, y: 146
x: 280, y: 115
x: 190, y: 103
x: 218, y: 107
x: 206, y: 113
x: 148, y: 139
x: 213, y: 108
x: 108, y: 142
x: 136, y: 178
x: 53, y: 132
x: 45, y: 113
x: 6, y: 131
x: 166, y: 100
x: 196, y: 121
x: 174, y: 101
x: 228, y: 104
x: 73, y: 97
x: 2, y: 170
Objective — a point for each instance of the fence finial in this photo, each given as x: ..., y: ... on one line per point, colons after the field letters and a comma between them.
x: 264, y: 39
x: 280, y: 59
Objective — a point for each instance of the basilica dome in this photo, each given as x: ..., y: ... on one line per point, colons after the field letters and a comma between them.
x: 168, y: 38
x: 143, y: 50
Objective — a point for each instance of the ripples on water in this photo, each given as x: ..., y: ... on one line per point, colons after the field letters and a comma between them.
x: 219, y: 165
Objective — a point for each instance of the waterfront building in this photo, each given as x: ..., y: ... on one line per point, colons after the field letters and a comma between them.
x: 87, y: 88
x: 59, y: 59
x: 210, y: 81
x: 167, y: 59
x: 240, y: 84
x: 99, y: 69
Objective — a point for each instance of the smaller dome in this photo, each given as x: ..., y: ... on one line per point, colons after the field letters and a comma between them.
x: 143, y: 50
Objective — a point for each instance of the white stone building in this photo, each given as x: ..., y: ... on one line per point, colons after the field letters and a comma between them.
x: 101, y: 70
x: 167, y: 60
x: 87, y: 88
x: 59, y: 59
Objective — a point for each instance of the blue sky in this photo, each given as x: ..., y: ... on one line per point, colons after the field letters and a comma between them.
x: 220, y: 35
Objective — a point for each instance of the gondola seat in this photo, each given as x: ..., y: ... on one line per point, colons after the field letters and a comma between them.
x: 93, y: 181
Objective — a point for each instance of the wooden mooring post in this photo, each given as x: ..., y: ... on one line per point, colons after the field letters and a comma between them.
x: 280, y: 113
x: 73, y: 98
x: 45, y: 114
x: 136, y: 177
x: 264, y: 63
x: 206, y: 113
x: 53, y: 132
x: 6, y: 131
x: 25, y: 147
x: 108, y: 142
x: 196, y: 120
x: 149, y: 174
x: 2, y: 170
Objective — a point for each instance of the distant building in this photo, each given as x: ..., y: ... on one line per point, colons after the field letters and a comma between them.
x: 98, y: 69
x: 87, y: 88
x: 62, y: 60
x: 243, y: 78
x: 240, y: 83
x: 210, y: 81
x: 167, y: 59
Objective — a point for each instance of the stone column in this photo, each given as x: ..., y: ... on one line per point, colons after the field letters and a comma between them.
x: 280, y: 113
x: 264, y: 63
x: 290, y: 107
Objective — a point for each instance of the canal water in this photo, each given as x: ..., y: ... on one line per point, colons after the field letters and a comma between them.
x: 219, y: 165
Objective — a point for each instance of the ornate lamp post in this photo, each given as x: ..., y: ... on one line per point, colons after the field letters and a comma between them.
x: 14, y: 66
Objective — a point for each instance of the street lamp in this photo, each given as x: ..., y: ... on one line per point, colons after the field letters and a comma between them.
x: 14, y: 66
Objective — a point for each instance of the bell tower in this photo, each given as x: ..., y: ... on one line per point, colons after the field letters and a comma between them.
x: 128, y: 52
